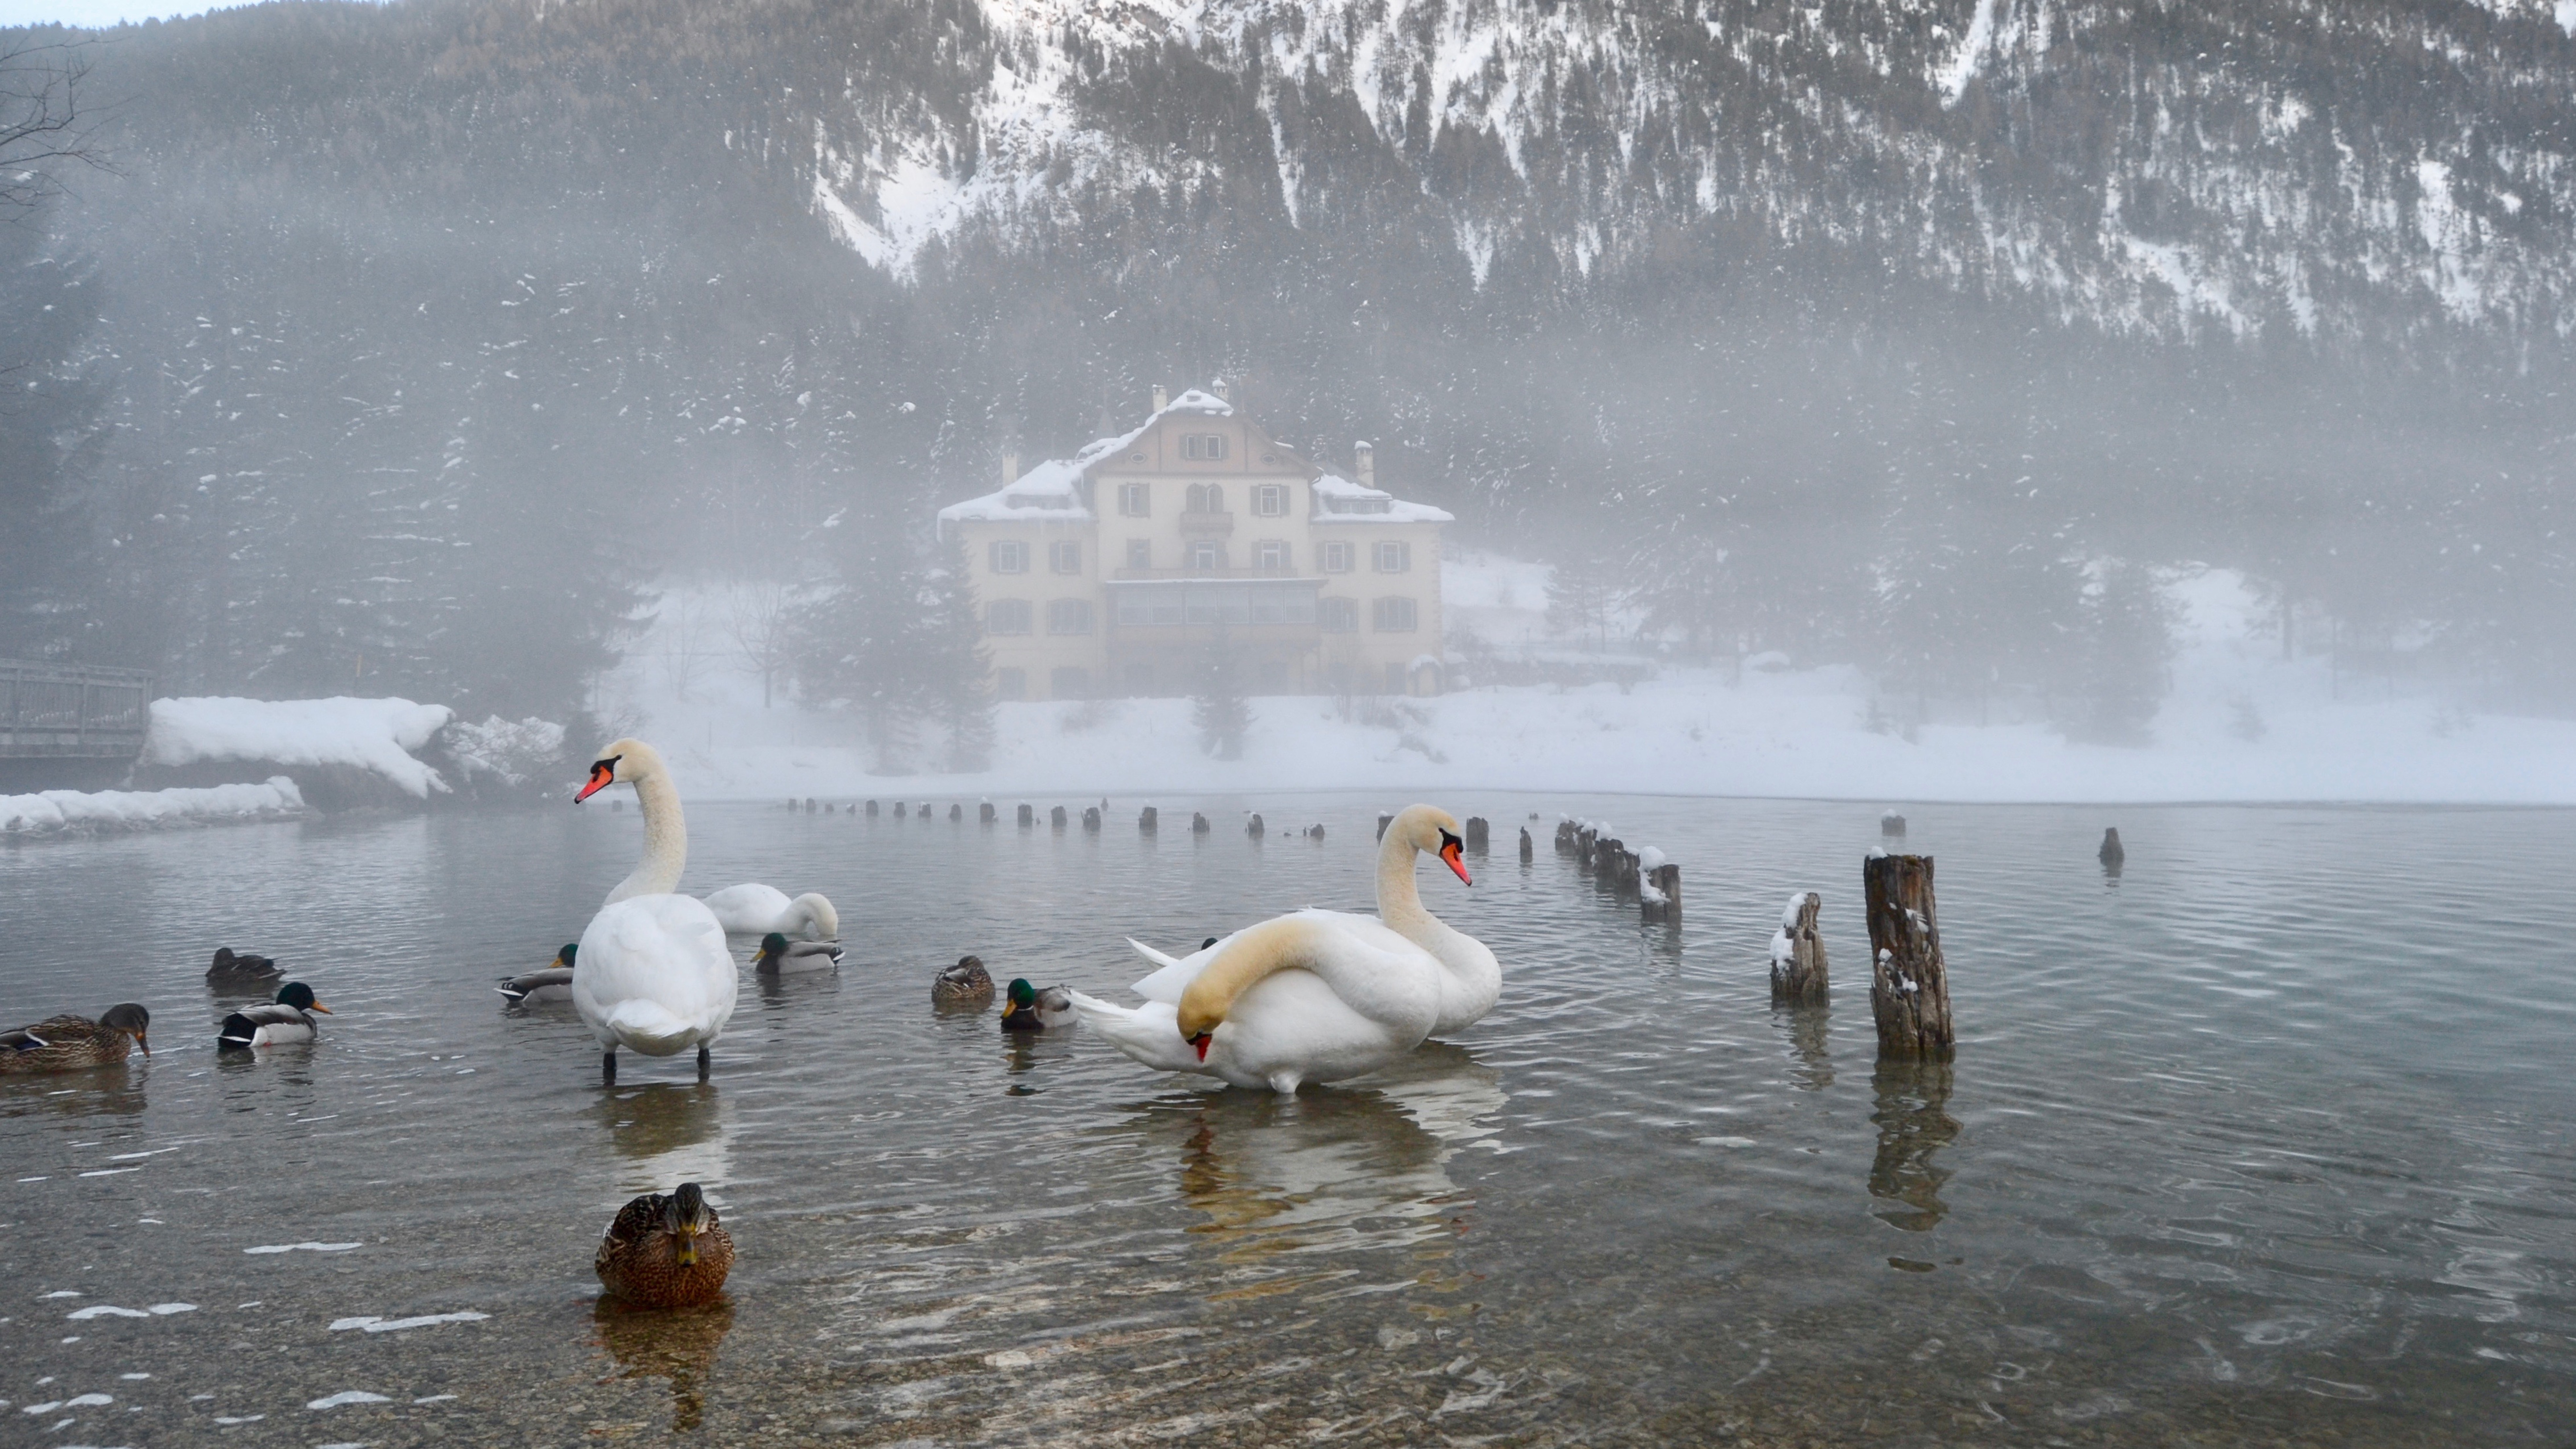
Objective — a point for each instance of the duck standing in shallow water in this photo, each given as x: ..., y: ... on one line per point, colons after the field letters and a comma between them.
x: 1029, y: 1009
x: 283, y: 1022
x: 232, y: 969
x: 70, y: 1043
x: 665, y: 1252
x: 964, y: 985
x: 779, y: 956
x: 545, y: 987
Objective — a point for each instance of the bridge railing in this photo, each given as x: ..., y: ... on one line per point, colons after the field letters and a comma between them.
x: 78, y: 711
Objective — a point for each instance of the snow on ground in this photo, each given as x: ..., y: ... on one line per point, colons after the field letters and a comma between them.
x: 377, y: 735
x: 131, y: 809
x: 2240, y: 725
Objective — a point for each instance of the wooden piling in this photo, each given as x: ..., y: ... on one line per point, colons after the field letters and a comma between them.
x: 1091, y: 819
x: 1055, y: 817
x: 984, y: 813
x: 1148, y: 822
x: 1529, y: 847
x: 1663, y: 902
x: 1253, y: 827
x: 1478, y: 833
x: 902, y: 811
x: 956, y: 811
x: 1892, y: 825
x: 1383, y: 821
x: 809, y: 804
x: 1627, y: 875
x: 2113, y: 853
x: 1028, y: 816
x: 1198, y: 823
x: 1583, y: 843
x: 1909, y: 984
x: 1798, y: 976
x: 1565, y: 837
x: 872, y: 810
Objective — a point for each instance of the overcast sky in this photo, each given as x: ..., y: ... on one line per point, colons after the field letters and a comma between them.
x: 92, y: 12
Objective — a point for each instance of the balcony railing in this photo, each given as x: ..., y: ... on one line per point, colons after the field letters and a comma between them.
x: 1207, y: 522
x: 1222, y: 571
x: 82, y: 711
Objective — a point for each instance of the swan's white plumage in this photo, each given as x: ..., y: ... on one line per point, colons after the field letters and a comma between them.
x: 653, y: 975
x: 753, y: 909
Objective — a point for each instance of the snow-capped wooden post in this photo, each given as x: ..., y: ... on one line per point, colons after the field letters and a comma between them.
x: 985, y: 814
x: 1055, y: 817
x: 1663, y: 894
x: 1583, y: 841
x: 902, y: 811
x: 1198, y: 823
x: 2113, y: 853
x: 1091, y: 819
x: 1383, y: 821
x: 1478, y: 833
x: 1253, y: 827
x: 1148, y: 822
x: 1028, y: 815
x: 1529, y: 847
x: 1892, y: 825
x: 1909, y: 985
x: 1565, y: 837
x: 1798, y: 954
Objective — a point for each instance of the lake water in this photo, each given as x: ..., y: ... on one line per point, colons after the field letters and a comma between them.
x: 2270, y: 1137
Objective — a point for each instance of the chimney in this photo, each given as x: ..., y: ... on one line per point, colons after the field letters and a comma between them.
x: 1367, y: 457
x: 1010, y: 468
x: 1162, y: 399
x: 1219, y: 388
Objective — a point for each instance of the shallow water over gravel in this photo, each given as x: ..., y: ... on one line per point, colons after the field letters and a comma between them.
x: 2267, y: 1139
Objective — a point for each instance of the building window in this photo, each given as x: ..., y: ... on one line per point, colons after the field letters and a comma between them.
x: 1333, y: 558
x: 1391, y: 615
x: 1270, y: 500
x: 1395, y: 558
x: 1271, y: 555
x: 1065, y: 557
x: 1206, y: 446
x: 1136, y: 500
x: 1206, y: 554
x: 1009, y: 556
x: 1204, y: 498
x: 1007, y: 616
x: 1338, y: 616
x: 1069, y: 681
x: 1140, y: 553
x: 1073, y: 616
x: 1011, y: 683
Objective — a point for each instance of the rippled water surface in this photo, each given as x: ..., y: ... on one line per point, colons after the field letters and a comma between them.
x: 2269, y: 1137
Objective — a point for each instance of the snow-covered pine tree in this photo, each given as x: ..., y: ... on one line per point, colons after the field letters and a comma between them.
x: 959, y: 670
x: 2128, y: 640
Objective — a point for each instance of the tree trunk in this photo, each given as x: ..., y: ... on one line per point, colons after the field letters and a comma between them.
x: 1798, y: 976
x: 1909, y: 985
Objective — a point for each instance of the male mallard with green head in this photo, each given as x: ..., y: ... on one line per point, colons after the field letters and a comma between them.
x: 286, y: 1020
x: 966, y: 984
x: 1029, y: 1009
x: 542, y: 988
x: 69, y: 1043
x: 779, y: 956
x: 665, y: 1252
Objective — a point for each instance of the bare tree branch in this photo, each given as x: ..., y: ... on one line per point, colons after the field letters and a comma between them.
x: 41, y: 118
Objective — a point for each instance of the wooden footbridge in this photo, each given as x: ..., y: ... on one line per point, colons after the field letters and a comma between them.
x: 79, y: 716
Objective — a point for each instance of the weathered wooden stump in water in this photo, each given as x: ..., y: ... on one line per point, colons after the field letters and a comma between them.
x: 956, y: 811
x: 1661, y: 899
x: 809, y: 804
x: 1529, y: 847
x: 1028, y: 815
x: 1315, y: 831
x: 1565, y: 837
x: 1892, y: 825
x: 1056, y: 817
x: 872, y: 810
x: 1798, y: 955
x: 985, y: 814
x: 1198, y: 823
x: 1909, y: 985
x: 1478, y: 833
x: 1148, y: 822
x: 1091, y: 819
x: 1584, y: 841
x: 925, y: 809
x: 901, y: 811
x: 2114, y: 855
x: 1383, y: 821
x: 1253, y: 827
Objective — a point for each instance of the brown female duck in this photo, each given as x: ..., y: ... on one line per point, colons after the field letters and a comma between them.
x: 665, y: 1252
x: 70, y: 1043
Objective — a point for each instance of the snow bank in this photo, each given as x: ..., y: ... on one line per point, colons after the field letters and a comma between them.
x: 375, y: 735
x: 136, y: 809
x: 514, y: 751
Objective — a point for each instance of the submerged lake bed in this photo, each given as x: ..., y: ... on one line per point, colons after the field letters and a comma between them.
x: 2265, y: 1139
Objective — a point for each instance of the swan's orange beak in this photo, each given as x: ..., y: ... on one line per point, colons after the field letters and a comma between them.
x: 1453, y: 854
x: 602, y: 775
x: 1201, y: 1042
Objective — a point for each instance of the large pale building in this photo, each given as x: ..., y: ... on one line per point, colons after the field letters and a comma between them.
x: 1120, y: 570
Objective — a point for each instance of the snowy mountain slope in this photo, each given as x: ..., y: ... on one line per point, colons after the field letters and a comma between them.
x: 2147, y: 168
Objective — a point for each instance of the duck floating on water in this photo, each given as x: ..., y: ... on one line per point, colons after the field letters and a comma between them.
x: 1029, y: 1009
x: 665, y: 1252
x: 233, y: 968
x: 545, y: 987
x: 70, y: 1043
x: 283, y: 1022
x: 966, y: 984
x: 779, y: 956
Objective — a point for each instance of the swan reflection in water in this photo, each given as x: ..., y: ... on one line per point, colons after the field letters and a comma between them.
x: 1364, y: 1164
x: 1914, y: 1123
x: 677, y: 1344
x: 666, y: 1133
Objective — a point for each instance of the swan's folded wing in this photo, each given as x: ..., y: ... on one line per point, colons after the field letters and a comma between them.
x: 1148, y: 1033
x: 748, y: 908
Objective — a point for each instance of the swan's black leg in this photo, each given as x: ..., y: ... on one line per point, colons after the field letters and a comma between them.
x: 706, y: 1063
x: 608, y: 1069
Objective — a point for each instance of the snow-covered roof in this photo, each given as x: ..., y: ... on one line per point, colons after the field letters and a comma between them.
x: 1343, y: 501
x: 1051, y: 491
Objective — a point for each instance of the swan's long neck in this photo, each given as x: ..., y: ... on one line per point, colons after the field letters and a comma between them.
x: 666, y: 839
x: 1399, y: 899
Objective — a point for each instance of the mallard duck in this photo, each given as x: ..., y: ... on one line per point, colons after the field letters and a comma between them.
x: 231, y: 966
x: 70, y: 1043
x: 665, y: 1252
x: 282, y: 1022
x: 543, y: 988
x: 779, y: 956
x: 1029, y: 1009
x: 965, y: 984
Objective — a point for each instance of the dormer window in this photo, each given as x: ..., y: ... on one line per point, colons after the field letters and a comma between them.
x: 1203, y: 447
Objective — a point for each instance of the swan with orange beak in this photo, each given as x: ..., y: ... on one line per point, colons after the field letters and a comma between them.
x: 1315, y: 996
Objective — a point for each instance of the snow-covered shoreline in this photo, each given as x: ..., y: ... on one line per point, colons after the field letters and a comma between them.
x: 61, y: 811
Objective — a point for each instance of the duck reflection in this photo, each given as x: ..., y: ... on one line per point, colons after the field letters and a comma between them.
x: 677, y: 1344
x: 1810, y: 1030
x: 666, y: 1133
x: 111, y: 1093
x: 1364, y: 1166
x: 1914, y: 1122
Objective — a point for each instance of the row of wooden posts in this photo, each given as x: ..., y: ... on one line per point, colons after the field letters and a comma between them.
x: 1655, y: 884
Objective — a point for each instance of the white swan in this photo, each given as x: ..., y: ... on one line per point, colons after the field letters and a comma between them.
x: 1471, y: 979
x: 652, y: 972
x: 1312, y: 996
x: 756, y: 910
